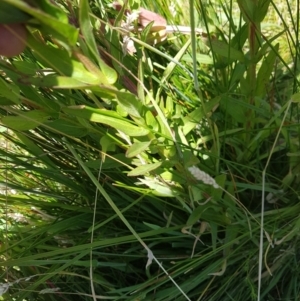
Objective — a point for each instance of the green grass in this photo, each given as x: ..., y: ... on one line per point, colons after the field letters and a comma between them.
x: 97, y: 197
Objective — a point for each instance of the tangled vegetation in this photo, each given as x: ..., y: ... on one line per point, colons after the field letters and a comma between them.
x: 150, y: 161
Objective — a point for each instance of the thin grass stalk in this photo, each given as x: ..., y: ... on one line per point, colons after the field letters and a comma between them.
x: 261, y: 239
x: 92, y: 236
x: 122, y: 217
x: 6, y: 199
x: 194, y: 52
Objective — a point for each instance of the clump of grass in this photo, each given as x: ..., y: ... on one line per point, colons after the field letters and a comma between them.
x: 141, y: 177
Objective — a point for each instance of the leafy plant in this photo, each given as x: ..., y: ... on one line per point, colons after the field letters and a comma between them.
x: 170, y: 173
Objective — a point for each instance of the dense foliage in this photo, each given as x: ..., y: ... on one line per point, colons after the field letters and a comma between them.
x: 140, y: 164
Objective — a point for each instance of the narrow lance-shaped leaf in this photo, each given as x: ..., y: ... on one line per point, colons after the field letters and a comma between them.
x: 10, y: 92
x: 137, y: 148
x: 265, y: 71
x: 261, y: 10
x: 57, y: 82
x: 26, y: 121
x: 296, y: 97
x: 106, y: 117
x: 129, y: 103
x: 67, y: 127
x: 87, y: 31
x: 61, y: 62
x: 160, y: 189
x: 56, y: 23
x: 143, y: 169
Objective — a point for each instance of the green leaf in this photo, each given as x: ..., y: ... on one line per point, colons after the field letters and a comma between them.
x: 107, y: 144
x: 261, y: 10
x: 60, y: 61
x: 137, y: 148
x: 5, y: 101
x: 193, y: 119
x: 214, y: 234
x: 59, y: 28
x: 106, y: 117
x: 216, y: 194
x: 10, y: 14
x: 196, y: 214
x: 88, y: 34
x: 163, y: 127
x: 9, y: 92
x: 26, y: 121
x: 110, y: 162
x: 35, y: 150
x: 226, y: 51
x: 213, y: 214
x: 267, y: 47
x: 235, y: 108
x: 129, y: 103
x: 26, y: 67
x: 160, y: 189
x: 151, y: 121
x: 201, y: 59
x: 288, y: 179
x: 67, y: 127
x: 296, y: 97
x: 231, y: 233
x: 143, y: 169
x: 247, y: 8
x: 53, y: 10
x: 86, y: 27
x: 265, y: 72
x: 209, y: 213
x: 36, y: 99
x: 114, y: 40
x: 59, y: 82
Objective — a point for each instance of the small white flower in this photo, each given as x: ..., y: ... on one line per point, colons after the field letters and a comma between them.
x: 128, y: 46
x: 49, y: 290
x: 203, y: 176
x: 130, y: 19
x: 4, y: 288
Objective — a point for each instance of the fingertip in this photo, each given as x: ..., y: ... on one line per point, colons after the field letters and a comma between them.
x: 12, y: 39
